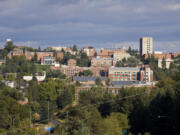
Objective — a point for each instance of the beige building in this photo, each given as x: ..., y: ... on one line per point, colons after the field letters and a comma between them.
x: 168, y: 63
x: 117, y: 56
x: 146, y: 45
x: 101, y: 62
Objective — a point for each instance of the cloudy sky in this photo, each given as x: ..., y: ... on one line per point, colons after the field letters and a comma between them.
x: 90, y: 22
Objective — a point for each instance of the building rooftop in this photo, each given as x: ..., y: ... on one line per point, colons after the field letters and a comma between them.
x: 86, y: 78
x: 123, y: 83
x: 124, y: 68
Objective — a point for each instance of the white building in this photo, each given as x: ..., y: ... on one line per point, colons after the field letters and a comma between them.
x: 58, y: 48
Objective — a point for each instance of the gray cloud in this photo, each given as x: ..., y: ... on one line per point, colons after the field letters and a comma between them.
x: 89, y: 21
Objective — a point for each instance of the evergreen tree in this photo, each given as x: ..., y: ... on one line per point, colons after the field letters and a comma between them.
x: 163, y: 63
x: 75, y: 48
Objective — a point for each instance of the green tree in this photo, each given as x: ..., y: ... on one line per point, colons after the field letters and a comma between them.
x: 95, y: 122
x: 83, y: 61
x: 9, y: 46
x: 35, y: 58
x: 86, y: 73
x: 65, y: 98
x: 163, y: 63
x: 98, y: 81
x: 115, y: 124
x: 75, y: 48
x: 107, y: 81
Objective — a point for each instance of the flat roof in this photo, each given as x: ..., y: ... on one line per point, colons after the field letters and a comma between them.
x: 124, y: 68
x: 87, y: 78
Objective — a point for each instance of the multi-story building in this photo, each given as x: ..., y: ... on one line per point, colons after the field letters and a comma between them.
x: 20, y: 52
x: 70, y: 71
x: 106, y: 53
x: 123, y: 73
x: 15, y: 52
x: 101, y: 62
x: 159, y: 55
x: 146, y: 75
x: 146, y: 45
x: 98, y: 71
x: 90, y: 51
x: 29, y: 55
x: 130, y: 74
x: 40, y: 55
x: 48, y: 60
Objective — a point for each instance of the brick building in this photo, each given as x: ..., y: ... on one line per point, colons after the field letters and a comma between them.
x: 29, y: 55
x: 98, y: 71
x: 40, y: 55
x: 159, y: 55
x: 146, y: 75
x: 130, y: 74
x: 105, y: 53
x: 70, y: 71
x: 20, y: 52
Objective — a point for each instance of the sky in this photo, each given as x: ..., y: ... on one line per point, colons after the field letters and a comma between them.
x: 98, y: 23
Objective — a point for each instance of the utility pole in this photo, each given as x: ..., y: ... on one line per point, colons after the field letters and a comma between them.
x: 30, y: 118
x: 48, y: 112
x: 67, y: 115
